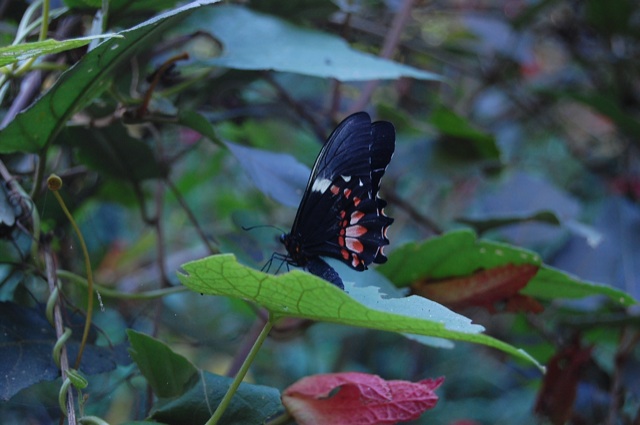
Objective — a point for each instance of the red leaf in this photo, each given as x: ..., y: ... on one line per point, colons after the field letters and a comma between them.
x: 354, y: 398
x: 560, y: 384
x: 484, y: 288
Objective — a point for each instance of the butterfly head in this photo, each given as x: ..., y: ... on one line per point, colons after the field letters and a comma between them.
x: 294, y: 250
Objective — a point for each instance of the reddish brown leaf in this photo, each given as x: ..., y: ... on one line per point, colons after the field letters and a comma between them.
x: 484, y: 288
x: 558, y: 391
x: 358, y: 399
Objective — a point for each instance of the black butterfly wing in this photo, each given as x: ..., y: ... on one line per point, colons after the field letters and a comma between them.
x: 340, y: 214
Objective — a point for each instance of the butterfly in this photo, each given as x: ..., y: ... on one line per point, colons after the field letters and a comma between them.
x: 341, y: 215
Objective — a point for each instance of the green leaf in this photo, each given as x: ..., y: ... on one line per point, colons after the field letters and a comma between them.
x: 111, y: 150
x: 483, y: 225
x: 26, y: 342
x: 464, y: 139
x: 197, y: 122
x: 460, y: 253
x: 611, y: 17
x: 457, y: 253
x: 551, y: 283
x: 147, y: 422
x: 168, y: 373
x: 251, y: 404
x: 254, y: 41
x: 299, y: 294
x: 12, y: 54
x: 120, y: 6
x: 186, y: 392
x: 83, y: 82
x: 278, y: 175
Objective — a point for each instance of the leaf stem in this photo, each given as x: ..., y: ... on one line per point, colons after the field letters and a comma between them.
x: 226, y: 400
x: 44, y: 28
x: 107, y: 292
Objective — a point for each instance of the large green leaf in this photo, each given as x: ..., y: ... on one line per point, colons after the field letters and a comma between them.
x: 168, y: 374
x: 111, y: 150
x: 251, y: 404
x: 551, y: 283
x: 186, y: 392
x: 254, y: 41
x: 26, y: 343
x: 460, y: 253
x: 299, y: 294
x: 457, y: 253
x: 39, y: 124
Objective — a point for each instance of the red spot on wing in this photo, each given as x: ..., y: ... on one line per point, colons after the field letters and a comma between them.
x: 355, y: 231
x: 334, y: 189
x: 356, y: 201
x: 354, y: 245
x: 345, y: 254
x: 355, y: 261
x: 356, y: 216
x: 347, y: 193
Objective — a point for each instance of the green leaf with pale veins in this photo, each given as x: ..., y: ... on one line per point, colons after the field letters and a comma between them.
x: 302, y: 295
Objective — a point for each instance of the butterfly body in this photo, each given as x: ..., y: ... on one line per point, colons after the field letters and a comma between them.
x: 341, y: 215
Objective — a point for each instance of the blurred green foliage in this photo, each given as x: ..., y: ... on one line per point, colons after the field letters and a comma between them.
x: 517, y: 120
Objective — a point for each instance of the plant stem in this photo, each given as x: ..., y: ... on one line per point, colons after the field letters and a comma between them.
x: 70, y: 412
x: 107, y: 292
x: 54, y: 183
x: 226, y: 400
x: 44, y: 28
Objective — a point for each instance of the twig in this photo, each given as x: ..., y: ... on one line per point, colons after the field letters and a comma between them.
x: 413, y: 213
x: 161, y: 236
x: 628, y: 342
x: 391, y: 41
x: 300, y: 110
x: 192, y: 218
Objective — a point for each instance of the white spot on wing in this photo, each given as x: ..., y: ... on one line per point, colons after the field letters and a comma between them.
x: 346, y: 178
x: 320, y: 185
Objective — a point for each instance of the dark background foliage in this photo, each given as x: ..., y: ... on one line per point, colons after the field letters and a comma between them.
x: 526, y: 132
